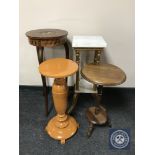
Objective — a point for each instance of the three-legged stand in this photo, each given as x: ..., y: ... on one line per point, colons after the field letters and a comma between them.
x: 97, y: 115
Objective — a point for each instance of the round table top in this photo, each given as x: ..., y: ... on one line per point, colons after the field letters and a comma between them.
x: 46, y: 33
x: 103, y: 74
x: 58, y: 68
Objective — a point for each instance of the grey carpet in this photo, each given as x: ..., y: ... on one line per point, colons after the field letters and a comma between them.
x: 33, y: 139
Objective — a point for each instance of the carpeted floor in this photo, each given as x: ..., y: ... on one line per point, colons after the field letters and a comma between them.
x: 120, y: 104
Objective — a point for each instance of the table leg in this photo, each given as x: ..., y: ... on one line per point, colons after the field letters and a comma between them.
x: 66, y: 53
x: 40, y: 51
x: 99, y: 98
x: 62, y: 126
x: 77, y: 73
x: 99, y: 95
x: 99, y: 108
x: 90, y: 129
x: 66, y: 50
x: 75, y: 99
x: 97, y: 57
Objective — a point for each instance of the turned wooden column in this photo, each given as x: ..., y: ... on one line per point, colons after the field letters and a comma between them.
x: 62, y: 126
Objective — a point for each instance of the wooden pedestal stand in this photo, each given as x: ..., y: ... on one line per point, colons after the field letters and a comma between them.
x: 62, y: 126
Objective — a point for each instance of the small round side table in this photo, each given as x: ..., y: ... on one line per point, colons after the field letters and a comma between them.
x: 62, y: 126
x: 101, y: 75
x: 47, y: 38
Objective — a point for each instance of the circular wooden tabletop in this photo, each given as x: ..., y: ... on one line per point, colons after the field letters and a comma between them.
x: 58, y: 68
x: 103, y: 74
x: 46, y: 33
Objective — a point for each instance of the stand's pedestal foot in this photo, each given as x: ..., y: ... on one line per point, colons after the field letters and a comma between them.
x: 78, y: 125
x: 62, y: 126
x: 62, y: 130
x: 62, y: 141
x: 90, y: 129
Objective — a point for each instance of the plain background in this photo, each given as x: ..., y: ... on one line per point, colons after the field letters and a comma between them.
x: 113, y: 19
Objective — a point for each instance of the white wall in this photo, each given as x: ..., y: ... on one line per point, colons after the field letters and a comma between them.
x: 113, y: 19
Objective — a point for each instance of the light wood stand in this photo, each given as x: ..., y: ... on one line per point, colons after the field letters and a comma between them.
x: 62, y: 126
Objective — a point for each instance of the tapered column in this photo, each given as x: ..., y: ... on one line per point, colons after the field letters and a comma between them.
x: 62, y: 126
x: 60, y: 93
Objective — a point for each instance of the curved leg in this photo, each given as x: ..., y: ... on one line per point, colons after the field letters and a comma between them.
x: 90, y: 129
x: 62, y: 141
x: 66, y: 50
x: 109, y: 123
x: 45, y: 93
x: 75, y: 98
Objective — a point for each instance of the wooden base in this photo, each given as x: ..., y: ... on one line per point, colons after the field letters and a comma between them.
x: 96, y: 115
x: 62, y: 130
x: 62, y: 126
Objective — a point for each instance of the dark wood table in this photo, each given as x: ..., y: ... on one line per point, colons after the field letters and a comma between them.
x: 101, y: 75
x: 42, y: 38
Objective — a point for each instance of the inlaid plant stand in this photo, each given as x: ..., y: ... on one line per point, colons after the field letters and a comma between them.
x: 42, y: 38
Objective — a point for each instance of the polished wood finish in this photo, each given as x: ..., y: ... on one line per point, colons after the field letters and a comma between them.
x: 47, y: 37
x: 42, y: 38
x: 62, y: 126
x: 58, y: 68
x: 100, y: 75
x: 97, y: 115
x: 46, y: 34
x: 103, y: 74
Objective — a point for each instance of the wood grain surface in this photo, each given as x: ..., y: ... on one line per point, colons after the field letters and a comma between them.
x: 47, y: 37
x: 46, y: 33
x: 103, y: 74
x: 58, y: 68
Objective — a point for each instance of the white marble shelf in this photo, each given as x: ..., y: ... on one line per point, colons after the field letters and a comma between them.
x: 88, y: 42
x: 85, y: 87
